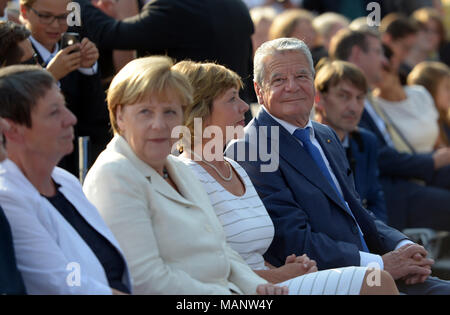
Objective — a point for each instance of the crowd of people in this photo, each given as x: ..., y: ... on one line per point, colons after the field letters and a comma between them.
x: 187, y: 191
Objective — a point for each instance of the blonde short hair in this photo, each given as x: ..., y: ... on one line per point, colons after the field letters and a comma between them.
x: 285, y: 23
x: 143, y: 78
x: 210, y: 81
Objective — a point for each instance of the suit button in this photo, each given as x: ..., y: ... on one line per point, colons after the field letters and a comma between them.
x: 355, y: 230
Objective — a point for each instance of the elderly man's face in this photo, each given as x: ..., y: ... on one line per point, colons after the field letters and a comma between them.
x: 287, y: 91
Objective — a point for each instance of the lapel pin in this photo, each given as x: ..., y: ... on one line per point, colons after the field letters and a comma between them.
x: 328, y: 141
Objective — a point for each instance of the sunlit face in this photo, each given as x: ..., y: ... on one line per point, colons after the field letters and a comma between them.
x: 3, y: 127
x: 228, y: 110
x: 401, y: 49
x: 261, y: 33
x: 288, y: 88
x: 443, y: 94
x: 147, y: 127
x: 433, y: 36
x: 371, y: 62
x: 46, y: 34
x: 305, y: 31
x: 51, y: 134
x: 342, y: 107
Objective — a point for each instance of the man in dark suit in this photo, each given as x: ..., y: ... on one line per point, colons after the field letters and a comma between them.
x: 416, y: 186
x: 213, y: 30
x: 10, y: 278
x: 341, y: 89
x: 307, y: 187
x: 75, y: 67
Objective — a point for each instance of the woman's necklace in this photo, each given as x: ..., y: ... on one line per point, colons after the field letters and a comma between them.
x: 227, y: 179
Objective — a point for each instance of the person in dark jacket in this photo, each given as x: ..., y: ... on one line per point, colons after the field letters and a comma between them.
x: 199, y: 30
x: 341, y: 88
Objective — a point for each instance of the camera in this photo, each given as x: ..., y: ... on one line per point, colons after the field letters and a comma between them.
x: 69, y: 39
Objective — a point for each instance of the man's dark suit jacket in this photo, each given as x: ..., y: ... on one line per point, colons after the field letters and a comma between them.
x: 199, y: 30
x: 308, y: 215
x: 363, y: 162
x: 10, y: 278
x: 399, y: 173
x: 86, y: 100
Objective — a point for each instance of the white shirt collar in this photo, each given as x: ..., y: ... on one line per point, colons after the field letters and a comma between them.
x: 288, y: 126
x: 346, y: 142
x: 46, y: 55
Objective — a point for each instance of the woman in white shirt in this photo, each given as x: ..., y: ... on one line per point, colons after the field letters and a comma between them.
x: 248, y: 227
x: 61, y: 243
x: 409, y: 109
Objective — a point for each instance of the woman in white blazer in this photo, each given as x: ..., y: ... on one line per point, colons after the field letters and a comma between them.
x: 61, y: 242
x: 154, y: 205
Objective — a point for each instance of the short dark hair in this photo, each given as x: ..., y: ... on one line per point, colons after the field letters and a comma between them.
x: 21, y: 86
x: 343, y: 42
x: 332, y: 73
x: 398, y: 26
x: 11, y: 34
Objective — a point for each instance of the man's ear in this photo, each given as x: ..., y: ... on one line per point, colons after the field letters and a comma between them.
x: 386, y: 39
x: 319, y: 105
x: 259, y: 93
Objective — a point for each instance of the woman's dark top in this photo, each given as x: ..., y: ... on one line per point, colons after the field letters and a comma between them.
x: 107, y: 254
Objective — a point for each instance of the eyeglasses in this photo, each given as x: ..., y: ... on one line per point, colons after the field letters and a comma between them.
x: 31, y: 61
x: 49, y: 18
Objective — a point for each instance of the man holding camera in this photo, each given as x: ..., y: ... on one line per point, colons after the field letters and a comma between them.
x: 75, y: 67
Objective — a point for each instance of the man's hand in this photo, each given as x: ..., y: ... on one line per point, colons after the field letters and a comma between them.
x: 89, y: 53
x: 415, y: 279
x: 408, y: 261
x: 65, y: 61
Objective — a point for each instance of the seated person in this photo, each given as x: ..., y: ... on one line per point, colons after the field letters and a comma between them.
x: 341, y: 89
x: 305, y: 183
x: 409, y: 202
x: 248, y: 227
x: 15, y: 47
x: 158, y: 211
x: 409, y: 109
x: 435, y: 77
x: 62, y: 245
x: 10, y: 278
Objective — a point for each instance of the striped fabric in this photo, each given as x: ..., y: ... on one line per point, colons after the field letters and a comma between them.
x: 248, y: 227
x: 249, y: 231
